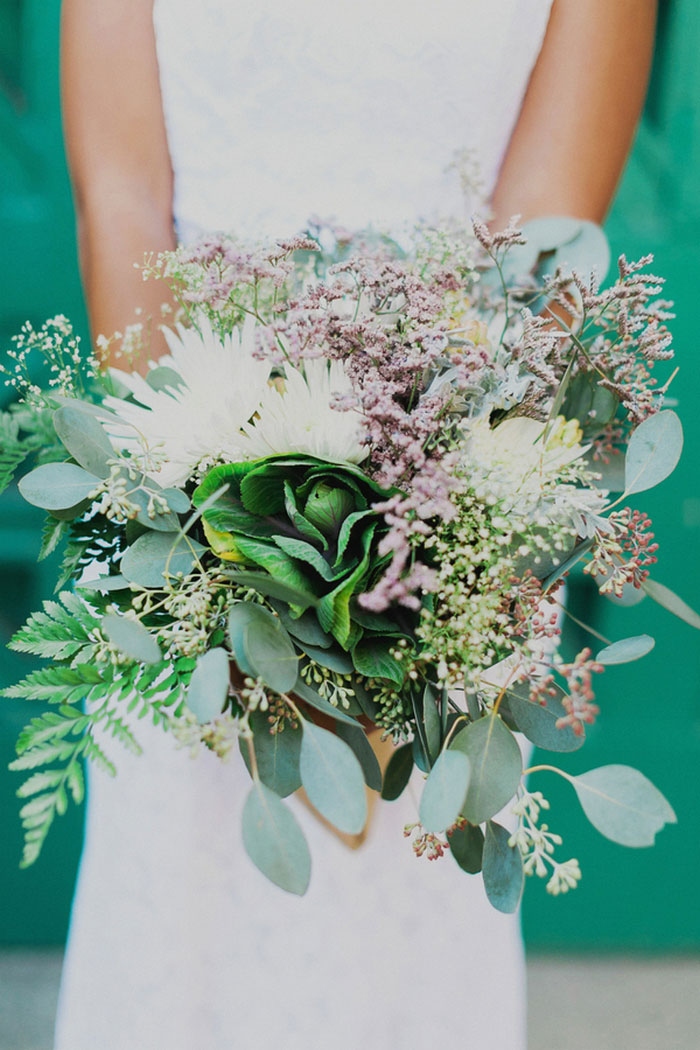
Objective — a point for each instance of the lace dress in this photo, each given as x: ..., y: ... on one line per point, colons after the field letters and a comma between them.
x: 275, y: 111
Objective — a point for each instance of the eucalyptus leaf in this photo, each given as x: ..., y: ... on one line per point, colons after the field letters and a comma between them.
x: 85, y: 439
x: 276, y: 754
x: 653, y: 451
x: 398, y: 772
x: 431, y: 722
x: 419, y: 756
x: 333, y: 658
x: 104, y: 584
x: 445, y: 791
x: 539, y: 722
x: 333, y: 779
x: 157, y: 555
x: 372, y: 658
x: 262, y: 647
x: 502, y: 869
x: 177, y: 500
x: 209, y: 685
x: 357, y: 741
x: 623, y: 805
x: 467, y: 847
x: 131, y: 638
x: 57, y: 486
x: 274, y: 841
x: 670, y: 601
x: 496, y: 766
x: 305, y: 628
x: 626, y: 650
x: 311, y: 697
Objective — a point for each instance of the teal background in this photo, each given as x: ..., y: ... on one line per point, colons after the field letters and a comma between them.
x: 627, y: 900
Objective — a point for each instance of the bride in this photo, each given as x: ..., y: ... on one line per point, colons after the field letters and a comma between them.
x: 249, y: 116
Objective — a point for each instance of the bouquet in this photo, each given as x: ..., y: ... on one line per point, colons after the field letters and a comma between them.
x: 346, y: 499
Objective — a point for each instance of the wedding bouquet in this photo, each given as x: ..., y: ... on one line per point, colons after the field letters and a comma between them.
x: 349, y: 496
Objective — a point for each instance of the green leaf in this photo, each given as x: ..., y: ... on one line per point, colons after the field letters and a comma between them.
x: 85, y: 440
x: 52, y: 533
x: 155, y: 554
x: 105, y: 584
x: 357, y: 741
x: 303, y: 551
x: 653, y: 451
x: 445, y: 791
x: 333, y: 779
x: 270, y: 652
x: 623, y: 805
x: 164, y: 378
x: 467, y: 847
x: 277, y: 755
x: 177, y: 500
x: 593, y: 405
x: 208, y: 689
x: 300, y: 523
x: 332, y: 658
x: 327, y: 507
x: 539, y: 723
x: 670, y: 601
x: 431, y: 723
x: 276, y: 562
x: 398, y: 772
x: 132, y: 638
x: 57, y: 486
x: 626, y: 650
x: 274, y: 841
x: 334, y: 608
x: 496, y: 766
x: 373, y: 659
x: 305, y: 628
x: 311, y: 697
x: 273, y: 588
x: 502, y: 869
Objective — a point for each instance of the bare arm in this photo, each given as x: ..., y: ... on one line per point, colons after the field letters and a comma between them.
x: 576, y: 126
x: 118, y: 156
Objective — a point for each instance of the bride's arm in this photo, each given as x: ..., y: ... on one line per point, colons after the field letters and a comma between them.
x: 118, y: 156
x: 580, y: 112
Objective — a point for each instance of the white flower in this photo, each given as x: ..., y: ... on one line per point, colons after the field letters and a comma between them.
x: 300, y: 417
x: 220, y: 385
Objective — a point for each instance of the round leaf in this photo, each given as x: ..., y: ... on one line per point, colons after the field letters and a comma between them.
x: 356, y: 739
x: 277, y: 755
x: 333, y: 779
x: 502, y: 869
x: 131, y: 638
x: 623, y: 805
x: 57, y: 486
x: 467, y: 848
x: 208, y: 689
x: 154, y: 554
x: 274, y: 841
x: 626, y: 650
x: 653, y: 451
x: 270, y: 652
x: 445, y: 791
x: 539, y: 723
x: 84, y: 438
x: 496, y: 766
x: 398, y: 772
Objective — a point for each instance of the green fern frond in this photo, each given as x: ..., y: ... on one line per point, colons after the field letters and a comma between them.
x: 59, y: 632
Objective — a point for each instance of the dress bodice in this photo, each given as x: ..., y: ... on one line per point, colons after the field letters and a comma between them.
x: 351, y: 110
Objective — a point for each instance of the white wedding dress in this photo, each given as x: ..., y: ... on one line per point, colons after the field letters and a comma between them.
x: 276, y: 110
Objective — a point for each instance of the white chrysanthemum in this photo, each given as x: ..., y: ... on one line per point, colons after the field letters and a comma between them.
x: 220, y: 388
x: 513, y: 464
x: 300, y: 417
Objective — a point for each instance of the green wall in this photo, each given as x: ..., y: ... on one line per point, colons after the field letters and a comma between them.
x: 627, y: 899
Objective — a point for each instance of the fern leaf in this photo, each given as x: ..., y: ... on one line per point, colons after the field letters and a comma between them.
x: 52, y: 533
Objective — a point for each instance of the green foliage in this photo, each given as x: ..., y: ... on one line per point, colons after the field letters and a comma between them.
x: 467, y: 847
x: 538, y: 722
x: 626, y: 650
x: 357, y: 741
x: 131, y: 638
x: 262, y: 647
x: 496, y: 766
x: 311, y: 697
x: 274, y: 841
x: 662, y: 594
x: 653, y: 451
x: 502, y: 869
x: 84, y: 439
x: 398, y: 772
x: 623, y: 805
x: 333, y: 779
x: 209, y: 685
x: 88, y: 693
x: 58, y: 486
x: 156, y: 556
x: 277, y: 755
x: 445, y: 791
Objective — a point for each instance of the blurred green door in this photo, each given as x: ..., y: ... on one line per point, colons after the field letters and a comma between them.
x: 649, y: 711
